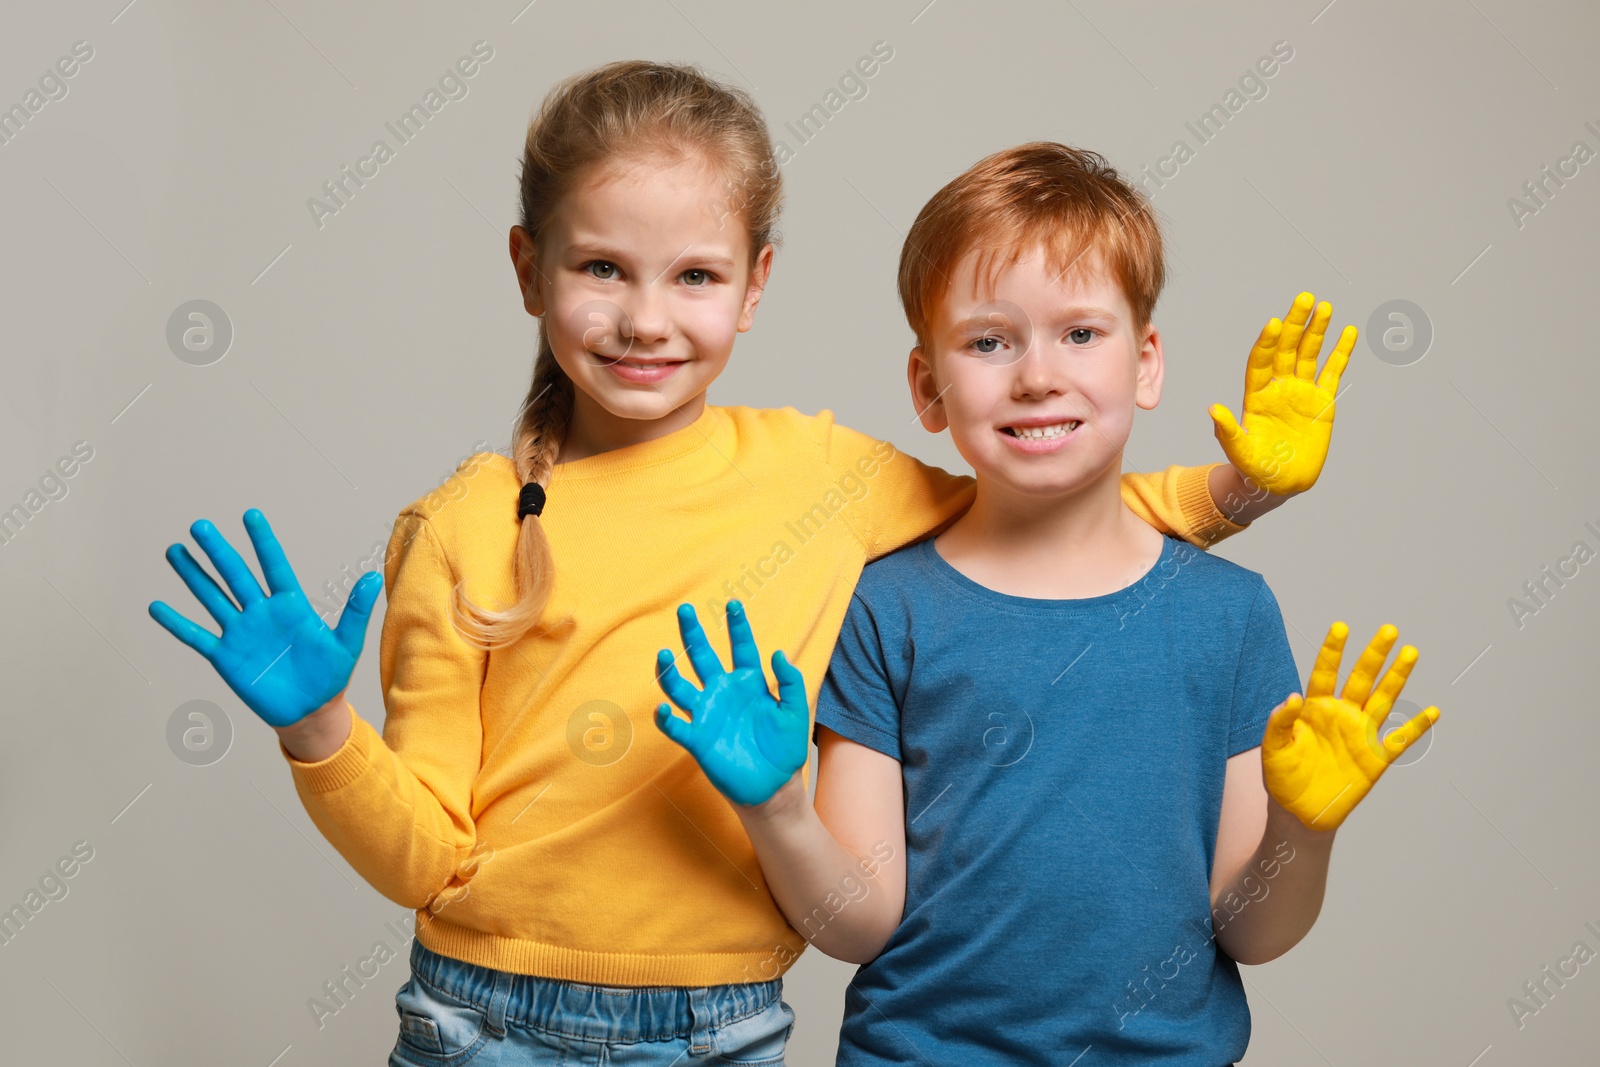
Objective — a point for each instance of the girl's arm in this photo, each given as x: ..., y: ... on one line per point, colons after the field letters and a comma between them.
x: 837, y: 870
x: 1287, y: 414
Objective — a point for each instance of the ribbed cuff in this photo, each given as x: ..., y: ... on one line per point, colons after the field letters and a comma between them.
x: 339, y: 769
x: 1200, y: 511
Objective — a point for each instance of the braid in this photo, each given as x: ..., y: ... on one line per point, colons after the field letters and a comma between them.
x: 546, y: 417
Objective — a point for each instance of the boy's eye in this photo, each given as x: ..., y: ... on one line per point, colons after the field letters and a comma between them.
x: 601, y: 269
x: 696, y: 277
x: 1083, y: 330
x: 986, y: 345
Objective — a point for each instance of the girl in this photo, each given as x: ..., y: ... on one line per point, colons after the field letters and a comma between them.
x: 582, y: 892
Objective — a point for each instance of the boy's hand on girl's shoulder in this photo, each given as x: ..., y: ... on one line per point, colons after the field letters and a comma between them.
x: 1282, y: 441
x: 1321, y: 754
x: 748, y: 744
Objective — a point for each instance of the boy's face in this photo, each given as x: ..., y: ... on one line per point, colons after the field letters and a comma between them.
x: 1036, y: 380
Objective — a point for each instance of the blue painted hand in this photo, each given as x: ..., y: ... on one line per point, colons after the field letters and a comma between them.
x: 275, y: 652
x: 747, y: 743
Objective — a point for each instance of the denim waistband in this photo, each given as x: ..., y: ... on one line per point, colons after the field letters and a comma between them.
x: 592, y: 1012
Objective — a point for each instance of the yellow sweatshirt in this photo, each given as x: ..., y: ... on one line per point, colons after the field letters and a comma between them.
x: 524, y: 801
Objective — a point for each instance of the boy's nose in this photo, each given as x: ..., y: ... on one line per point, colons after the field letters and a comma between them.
x: 1035, y: 373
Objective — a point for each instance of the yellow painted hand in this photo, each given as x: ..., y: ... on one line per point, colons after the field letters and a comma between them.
x: 1288, y: 408
x: 1321, y: 753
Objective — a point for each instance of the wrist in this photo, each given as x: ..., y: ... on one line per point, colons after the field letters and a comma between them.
x: 1238, y: 497
x: 790, y: 800
x: 1283, y: 824
x: 320, y: 734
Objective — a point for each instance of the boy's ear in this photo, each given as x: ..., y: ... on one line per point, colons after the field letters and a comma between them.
x: 528, y: 275
x: 925, y: 392
x: 1152, y: 369
x: 757, y: 285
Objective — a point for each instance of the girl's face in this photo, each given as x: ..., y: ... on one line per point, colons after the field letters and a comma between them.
x: 643, y: 278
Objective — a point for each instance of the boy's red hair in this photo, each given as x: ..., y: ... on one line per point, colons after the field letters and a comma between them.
x: 1067, y: 200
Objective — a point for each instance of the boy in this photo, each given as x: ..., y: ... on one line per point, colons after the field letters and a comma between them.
x: 1048, y: 823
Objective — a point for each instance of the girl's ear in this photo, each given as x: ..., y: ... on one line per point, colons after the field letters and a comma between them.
x: 528, y: 275
x: 925, y: 392
x: 758, y: 283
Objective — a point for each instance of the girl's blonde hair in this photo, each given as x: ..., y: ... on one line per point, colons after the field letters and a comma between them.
x: 625, y: 110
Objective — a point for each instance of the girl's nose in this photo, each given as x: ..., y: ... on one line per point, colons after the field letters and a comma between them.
x: 647, y: 315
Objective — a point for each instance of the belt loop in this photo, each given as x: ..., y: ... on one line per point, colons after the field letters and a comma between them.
x: 701, y: 1019
x: 499, y: 997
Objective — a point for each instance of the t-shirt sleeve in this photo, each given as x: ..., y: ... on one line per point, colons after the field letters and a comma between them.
x: 858, y: 699
x: 1266, y: 674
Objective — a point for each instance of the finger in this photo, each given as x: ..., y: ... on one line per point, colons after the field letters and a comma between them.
x: 198, y: 638
x: 1294, y: 325
x: 672, y: 726
x: 1325, y: 673
x: 677, y: 688
x: 1305, y: 366
x: 745, y: 653
x: 701, y: 656
x: 1328, y: 380
x: 1402, y: 738
x: 202, y: 585
x: 246, y: 590
x: 1227, y: 426
x: 1259, y: 366
x: 1280, y: 731
x: 352, y: 629
x: 1394, y: 680
x: 791, y: 684
x: 1359, y: 685
x: 1280, y: 727
x: 274, y: 564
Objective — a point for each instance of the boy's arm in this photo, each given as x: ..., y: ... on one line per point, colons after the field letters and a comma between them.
x: 1319, y: 758
x: 1270, y: 872
x: 1288, y: 411
x: 838, y: 870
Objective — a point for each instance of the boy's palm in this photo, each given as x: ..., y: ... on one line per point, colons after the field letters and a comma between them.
x: 747, y: 743
x: 274, y: 652
x: 1321, y: 754
x: 1288, y: 408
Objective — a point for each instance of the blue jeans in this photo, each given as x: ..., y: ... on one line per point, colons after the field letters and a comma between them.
x: 454, y: 1013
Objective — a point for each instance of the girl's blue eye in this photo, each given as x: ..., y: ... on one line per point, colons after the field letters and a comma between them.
x: 983, y: 341
x: 1083, y: 329
x: 599, y: 265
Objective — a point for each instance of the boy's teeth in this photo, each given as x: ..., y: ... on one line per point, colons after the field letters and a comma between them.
x: 1043, y: 432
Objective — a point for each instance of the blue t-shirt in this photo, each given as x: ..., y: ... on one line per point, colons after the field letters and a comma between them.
x: 1063, y: 764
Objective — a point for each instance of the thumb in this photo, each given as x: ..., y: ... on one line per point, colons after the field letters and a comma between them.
x: 352, y: 629
x: 673, y: 726
x: 791, y: 684
x: 1280, y: 728
x: 1227, y: 428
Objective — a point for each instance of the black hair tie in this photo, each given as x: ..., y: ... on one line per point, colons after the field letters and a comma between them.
x: 531, y: 500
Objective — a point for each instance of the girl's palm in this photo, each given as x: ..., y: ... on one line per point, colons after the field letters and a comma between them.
x: 274, y: 651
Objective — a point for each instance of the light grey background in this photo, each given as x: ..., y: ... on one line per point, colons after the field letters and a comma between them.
x: 373, y: 353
